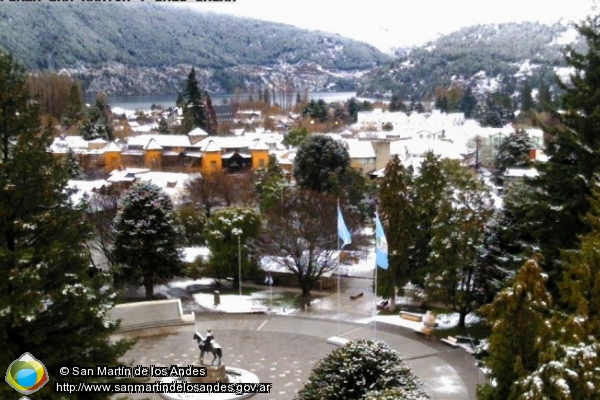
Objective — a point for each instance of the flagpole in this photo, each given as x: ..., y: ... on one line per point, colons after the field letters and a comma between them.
x: 338, y: 277
x: 375, y: 297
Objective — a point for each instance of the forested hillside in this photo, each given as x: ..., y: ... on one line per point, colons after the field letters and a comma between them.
x: 134, y: 39
x: 475, y: 55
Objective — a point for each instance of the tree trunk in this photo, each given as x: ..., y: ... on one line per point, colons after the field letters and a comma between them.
x: 392, y: 305
x: 305, y: 296
x: 149, y: 290
x: 462, y: 314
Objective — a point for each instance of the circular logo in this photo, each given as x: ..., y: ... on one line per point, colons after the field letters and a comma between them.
x: 26, y: 374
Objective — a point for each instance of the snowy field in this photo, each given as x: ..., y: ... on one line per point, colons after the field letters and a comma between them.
x: 264, y: 301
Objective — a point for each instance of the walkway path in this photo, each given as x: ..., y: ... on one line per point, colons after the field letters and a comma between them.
x: 283, y: 349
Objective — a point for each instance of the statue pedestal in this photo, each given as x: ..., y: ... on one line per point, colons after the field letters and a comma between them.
x: 213, y: 375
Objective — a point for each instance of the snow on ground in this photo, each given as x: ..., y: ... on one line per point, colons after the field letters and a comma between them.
x: 444, y: 321
x: 122, y: 111
x: 365, y: 266
x: 257, y: 302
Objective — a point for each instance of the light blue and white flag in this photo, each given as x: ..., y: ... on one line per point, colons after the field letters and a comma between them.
x: 343, y: 231
x: 381, y: 246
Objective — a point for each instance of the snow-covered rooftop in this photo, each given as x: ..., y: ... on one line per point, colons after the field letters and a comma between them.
x: 85, y: 188
x: 359, y: 148
x: 521, y: 172
x: 162, y: 140
x: 197, y: 132
x: 152, y: 145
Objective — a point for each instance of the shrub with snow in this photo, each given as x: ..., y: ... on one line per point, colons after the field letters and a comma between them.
x: 358, y: 368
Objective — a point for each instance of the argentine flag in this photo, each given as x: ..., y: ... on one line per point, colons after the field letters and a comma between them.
x: 343, y: 231
x: 381, y: 247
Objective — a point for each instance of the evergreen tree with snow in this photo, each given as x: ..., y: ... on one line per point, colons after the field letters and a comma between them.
x: 570, y: 356
x: 526, y: 98
x: 163, y: 126
x: 396, y: 104
x: 559, y: 194
x: 195, y: 113
x: 357, y: 369
x: 212, y: 123
x: 270, y: 183
x: 73, y: 167
x: 513, y: 152
x: 353, y: 109
x: 148, y: 238
x: 96, y: 122
x: 544, y: 97
x: 74, y: 109
x: 52, y: 303
x: 426, y: 197
x: 457, y: 240
x: 441, y: 103
x: 396, y: 212
x: 468, y: 103
x: 320, y: 164
x: 517, y: 317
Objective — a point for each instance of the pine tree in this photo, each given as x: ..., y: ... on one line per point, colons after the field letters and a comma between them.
x: 517, y: 317
x: 269, y: 183
x: 352, y: 107
x: 426, y: 197
x: 147, y: 238
x: 457, y: 239
x: 74, y: 110
x: 212, y: 124
x: 513, y: 152
x: 52, y: 304
x: 544, y: 97
x: 96, y: 122
x: 441, y: 103
x: 320, y: 163
x: 526, y: 98
x: 396, y: 104
x: 570, y: 356
x: 468, y: 103
x: 559, y: 194
x: 73, y: 167
x: 396, y: 212
x: 163, y: 126
x: 195, y: 114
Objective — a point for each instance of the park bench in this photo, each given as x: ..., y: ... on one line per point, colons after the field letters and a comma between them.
x: 356, y: 296
x: 149, y: 314
x: 425, y: 331
x: 411, y: 316
x: 451, y: 340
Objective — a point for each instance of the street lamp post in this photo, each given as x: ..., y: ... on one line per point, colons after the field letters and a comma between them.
x: 240, y: 264
x: 238, y: 232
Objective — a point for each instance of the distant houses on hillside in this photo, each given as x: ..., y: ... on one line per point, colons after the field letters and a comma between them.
x: 369, y: 145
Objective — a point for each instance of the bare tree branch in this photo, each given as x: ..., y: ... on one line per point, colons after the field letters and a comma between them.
x: 300, y: 234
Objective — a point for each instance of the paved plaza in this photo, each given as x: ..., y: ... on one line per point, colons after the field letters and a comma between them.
x: 283, y: 349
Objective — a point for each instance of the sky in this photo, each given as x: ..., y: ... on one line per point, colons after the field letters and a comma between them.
x: 397, y: 23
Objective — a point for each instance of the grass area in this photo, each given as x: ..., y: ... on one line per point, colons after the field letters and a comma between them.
x: 476, y: 331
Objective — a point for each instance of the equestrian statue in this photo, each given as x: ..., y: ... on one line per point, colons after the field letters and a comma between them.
x: 208, y: 345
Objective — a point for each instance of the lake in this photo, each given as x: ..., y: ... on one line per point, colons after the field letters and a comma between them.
x: 144, y: 102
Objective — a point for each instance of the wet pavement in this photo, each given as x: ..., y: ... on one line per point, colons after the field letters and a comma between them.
x: 283, y: 349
